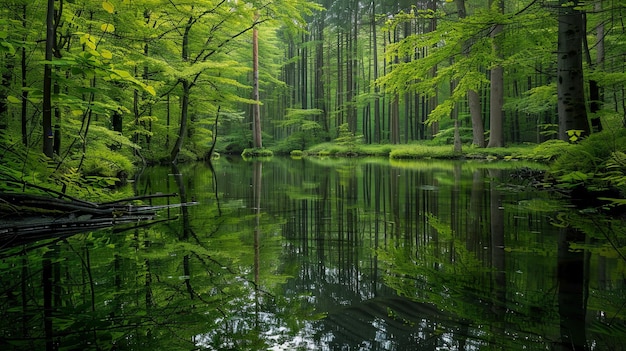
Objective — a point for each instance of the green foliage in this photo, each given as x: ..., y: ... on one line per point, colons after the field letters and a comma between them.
x: 296, y: 153
x: 24, y: 171
x: 446, y: 136
x: 348, y: 139
x: 423, y: 151
x: 535, y: 101
x: 257, y: 153
x: 597, y: 162
x: 302, y: 127
x: 549, y: 150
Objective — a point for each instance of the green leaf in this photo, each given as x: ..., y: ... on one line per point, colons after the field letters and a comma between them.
x: 8, y: 47
x: 106, y: 54
x: 107, y: 28
x: 150, y: 89
x: 108, y: 7
x: 13, y: 100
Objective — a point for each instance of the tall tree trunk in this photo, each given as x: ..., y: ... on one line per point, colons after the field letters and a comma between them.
x: 339, y: 101
x: 433, y: 100
x: 496, y: 114
x: 24, y: 70
x: 23, y: 65
x: 184, y: 101
x: 457, y: 145
x: 349, y: 106
x: 168, y: 117
x: 595, y: 95
x: 478, y: 127
x: 47, y: 82
x: 473, y: 99
x: 573, y: 122
x: 394, y: 119
x: 5, y: 87
x: 304, y: 64
x: 377, y: 126
x: 394, y: 104
x: 320, y: 99
x: 184, y: 112
x: 256, y: 108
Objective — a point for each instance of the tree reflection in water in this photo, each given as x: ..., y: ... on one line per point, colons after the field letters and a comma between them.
x: 330, y: 255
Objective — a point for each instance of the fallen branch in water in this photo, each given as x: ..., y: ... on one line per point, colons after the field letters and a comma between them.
x: 28, y: 217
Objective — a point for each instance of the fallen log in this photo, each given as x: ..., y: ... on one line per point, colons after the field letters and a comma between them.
x: 28, y: 217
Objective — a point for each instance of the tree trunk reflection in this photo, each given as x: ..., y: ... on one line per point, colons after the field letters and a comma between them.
x: 572, y: 308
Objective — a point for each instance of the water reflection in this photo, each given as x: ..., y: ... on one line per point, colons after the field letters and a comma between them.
x: 327, y: 255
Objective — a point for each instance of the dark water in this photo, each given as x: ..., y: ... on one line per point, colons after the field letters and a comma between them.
x: 328, y: 255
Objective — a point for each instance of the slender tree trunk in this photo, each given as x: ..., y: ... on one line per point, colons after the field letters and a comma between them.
x: 458, y: 148
x: 478, y: 127
x: 573, y: 122
x: 350, y: 81
x: 168, y: 116
x: 23, y: 64
x: 433, y: 100
x: 304, y: 64
x: 339, y: 102
x: 473, y: 99
x: 184, y: 101
x: 595, y: 95
x: 184, y: 112
x: 320, y: 99
x: 256, y: 108
x: 377, y: 127
x: 47, y: 82
x: 496, y: 114
x: 56, y: 143
x: 7, y: 77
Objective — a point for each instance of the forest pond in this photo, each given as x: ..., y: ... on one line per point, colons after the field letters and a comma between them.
x: 327, y: 254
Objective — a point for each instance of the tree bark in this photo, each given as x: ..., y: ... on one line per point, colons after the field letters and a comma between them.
x: 595, y: 93
x: 377, y: 127
x: 473, y: 99
x: 184, y: 102
x: 573, y: 123
x: 496, y: 115
x: 320, y: 100
x: 256, y: 108
x: 184, y: 112
x: 47, y: 82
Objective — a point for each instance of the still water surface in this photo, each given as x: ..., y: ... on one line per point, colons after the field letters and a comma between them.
x: 318, y: 254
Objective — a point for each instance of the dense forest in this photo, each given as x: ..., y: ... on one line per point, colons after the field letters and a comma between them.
x: 96, y: 87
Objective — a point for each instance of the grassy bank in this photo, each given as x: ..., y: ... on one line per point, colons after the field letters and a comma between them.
x: 542, y: 152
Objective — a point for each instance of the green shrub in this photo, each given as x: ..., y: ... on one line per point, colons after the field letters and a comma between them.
x: 549, y: 150
x: 109, y: 164
x: 418, y: 151
x: 596, y: 162
x: 254, y: 153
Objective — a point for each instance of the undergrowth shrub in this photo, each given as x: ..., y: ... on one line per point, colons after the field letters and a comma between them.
x: 549, y: 150
x: 106, y: 164
x: 254, y: 153
x: 423, y: 151
x: 597, y: 163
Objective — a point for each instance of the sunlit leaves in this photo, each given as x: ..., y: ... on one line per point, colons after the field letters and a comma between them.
x: 13, y: 100
x: 107, y: 28
x: 106, y: 54
x: 536, y: 100
x: 88, y: 40
x: 108, y: 7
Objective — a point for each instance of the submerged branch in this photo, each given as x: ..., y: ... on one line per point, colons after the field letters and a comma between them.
x: 27, y: 217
